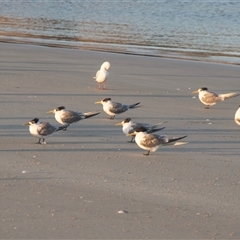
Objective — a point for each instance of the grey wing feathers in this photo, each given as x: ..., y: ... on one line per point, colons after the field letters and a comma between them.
x: 71, y: 116
x: 118, y: 108
x: 138, y: 125
x: 46, y: 129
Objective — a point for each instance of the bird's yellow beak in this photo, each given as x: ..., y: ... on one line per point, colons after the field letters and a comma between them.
x: 26, y: 124
x: 195, y: 92
x: 51, y: 111
x: 99, y: 102
x: 119, y: 124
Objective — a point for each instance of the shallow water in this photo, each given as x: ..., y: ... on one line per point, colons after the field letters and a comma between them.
x: 187, y: 29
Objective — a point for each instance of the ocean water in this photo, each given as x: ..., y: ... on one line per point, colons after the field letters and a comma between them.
x: 195, y: 29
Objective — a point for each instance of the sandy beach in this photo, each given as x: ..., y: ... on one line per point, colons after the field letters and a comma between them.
x: 77, y: 185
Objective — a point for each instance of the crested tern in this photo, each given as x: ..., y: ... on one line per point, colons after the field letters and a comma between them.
x: 237, y: 116
x: 102, y: 75
x: 67, y: 117
x: 128, y: 126
x: 41, y: 130
x: 210, y: 98
x: 151, y: 142
x: 113, y: 108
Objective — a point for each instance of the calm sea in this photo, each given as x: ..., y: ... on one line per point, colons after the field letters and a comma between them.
x: 197, y: 29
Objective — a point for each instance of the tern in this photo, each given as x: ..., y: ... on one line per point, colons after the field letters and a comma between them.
x: 151, y: 142
x: 113, y: 108
x: 102, y: 75
x: 67, y: 117
x: 237, y: 116
x: 41, y: 130
x: 210, y: 98
x: 128, y: 126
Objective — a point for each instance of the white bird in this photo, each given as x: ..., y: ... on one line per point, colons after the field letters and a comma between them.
x: 102, y: 75
x: 210, y: 98
x: 113, y: 108
x: 151, y: 142
x: 128, y: 126
x: 41, y: 130
x: 67, y: 117
x: 237, y: 116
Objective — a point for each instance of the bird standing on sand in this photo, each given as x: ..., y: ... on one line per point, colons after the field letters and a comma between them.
x: 67, y: 117
x: 128, y: 126
x: 210, y: 98
x: 113, y: 108
x: 41, y: 130
x: 237, y: 116
x: 102, y: 75
x: 151, y: 142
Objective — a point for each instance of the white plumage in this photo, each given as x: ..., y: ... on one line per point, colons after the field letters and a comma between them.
x: 67, y: 117
x: 113, y: 108
x: 42, y: 130
x: 151, y: 142
x: 210, y: 98
x: 237, y: 116
x: 128, y: 126
x: 102, y: 75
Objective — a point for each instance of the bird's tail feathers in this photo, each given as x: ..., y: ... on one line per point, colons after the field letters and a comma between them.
x: 175, y: 139
x: 228, y: 95
x: 134, y: 105
x: 179, y: 143
x: 90, y: 114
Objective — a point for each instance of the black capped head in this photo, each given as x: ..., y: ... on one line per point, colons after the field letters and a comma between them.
x: 106, y: 99
x: 203, y: 89
x: 35, y: 120
x: 127, y: 120
x: 60, y: 108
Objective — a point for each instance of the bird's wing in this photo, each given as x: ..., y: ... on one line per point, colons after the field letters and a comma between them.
x: 152, y: 140
x: 71, y: 116
x: 210, y: 97
x: 118, y: 108
x: 137, y: 125
x: 46, y: 129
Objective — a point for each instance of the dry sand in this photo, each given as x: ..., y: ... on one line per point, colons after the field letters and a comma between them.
x: 74, y: 186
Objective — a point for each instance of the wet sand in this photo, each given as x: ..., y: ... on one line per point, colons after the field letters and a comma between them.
x: 74, y: 186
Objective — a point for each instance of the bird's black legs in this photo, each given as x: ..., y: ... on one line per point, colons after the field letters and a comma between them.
x: 65, y: 128
x: 207, y: 107
x: 43, y: 141
x: 147, y: 153
x: 112, y: 117
x: 133, y: 139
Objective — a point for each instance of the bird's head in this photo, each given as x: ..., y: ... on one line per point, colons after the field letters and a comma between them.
x: 33, y: 121
x: 127, y: 120
x: 105, y: 65
x: 105, y: 100
x: 58, y: 109
x: 200, y: 90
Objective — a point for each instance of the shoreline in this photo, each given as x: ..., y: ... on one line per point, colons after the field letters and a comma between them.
x: 232, y: 59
